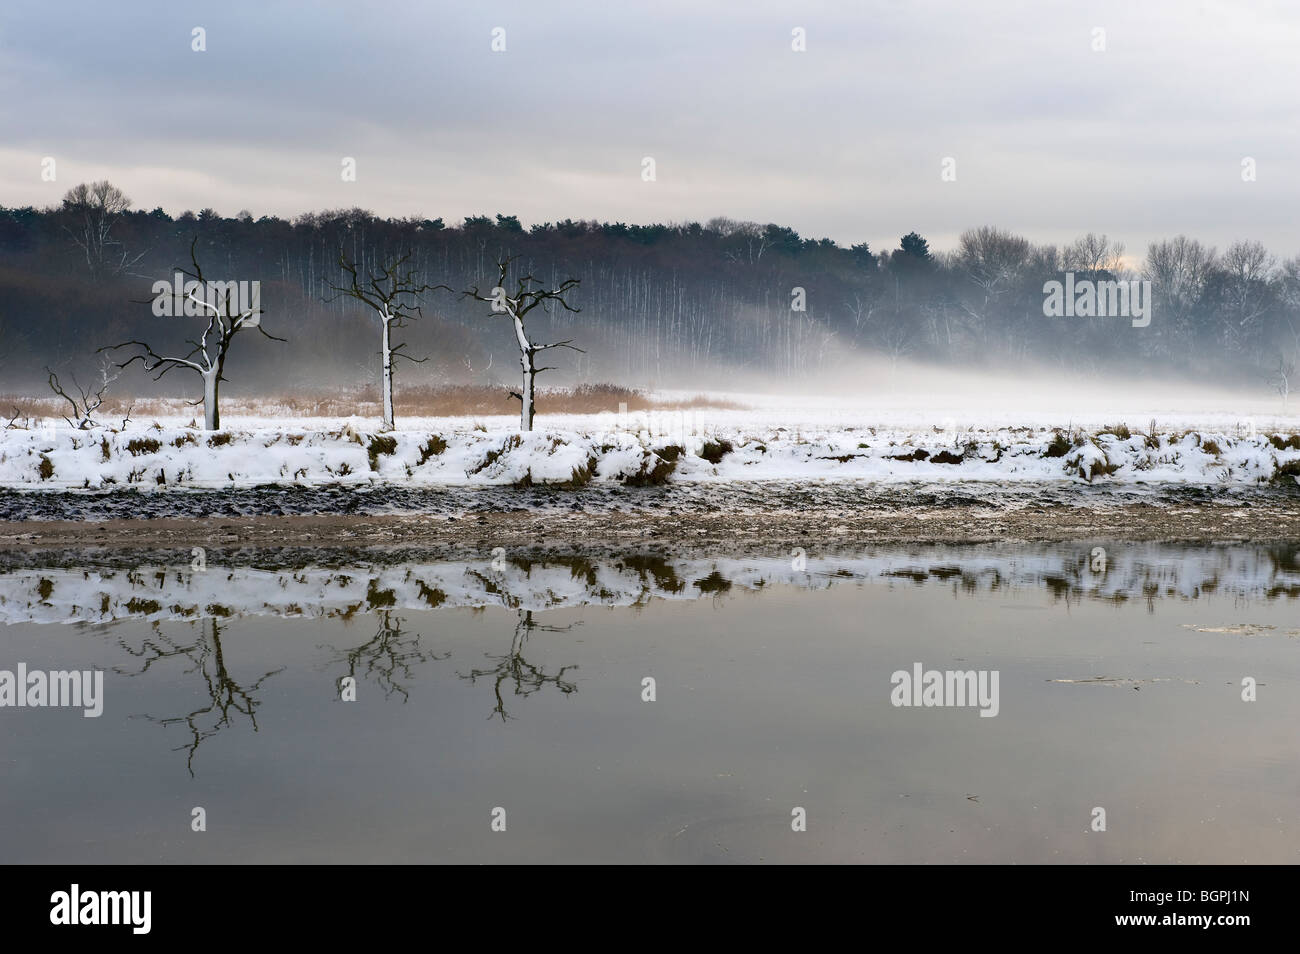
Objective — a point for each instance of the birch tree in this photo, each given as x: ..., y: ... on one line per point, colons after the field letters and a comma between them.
x: 528, y: 294
x: 394, y: 294
x: 227, y: 316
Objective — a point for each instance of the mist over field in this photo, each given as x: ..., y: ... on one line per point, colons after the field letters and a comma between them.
x: 723, y: 304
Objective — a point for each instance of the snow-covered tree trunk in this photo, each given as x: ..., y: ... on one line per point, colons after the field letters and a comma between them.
x: 387, y: 320
x: 528, y: 401
x: 211, y: 412
x: 527, y: 362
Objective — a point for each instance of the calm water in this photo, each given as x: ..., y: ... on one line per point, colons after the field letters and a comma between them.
x: 519, y: 686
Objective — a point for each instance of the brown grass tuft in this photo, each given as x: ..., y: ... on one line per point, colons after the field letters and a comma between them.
x: 143, y: 445
x: 714, y: 451
x: 386, y: 446
x: 434, y: 446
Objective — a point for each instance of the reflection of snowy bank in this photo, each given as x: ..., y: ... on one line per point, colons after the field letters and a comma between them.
x: 169, y: 457
x: 102, y: 594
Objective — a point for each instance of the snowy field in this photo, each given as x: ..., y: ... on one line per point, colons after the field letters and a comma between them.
x: 1151, y: 437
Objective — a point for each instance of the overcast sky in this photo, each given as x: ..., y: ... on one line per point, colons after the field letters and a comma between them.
x: 846, y: 140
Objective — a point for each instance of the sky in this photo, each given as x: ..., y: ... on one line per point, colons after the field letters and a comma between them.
x: 1051, y: 136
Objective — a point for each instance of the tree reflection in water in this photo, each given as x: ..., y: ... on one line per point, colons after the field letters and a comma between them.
x: 513, y: 668
x: 226, y: 699
x: 388, y: 657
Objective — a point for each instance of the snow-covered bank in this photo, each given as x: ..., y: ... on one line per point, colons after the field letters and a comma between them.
x: 632, y: 451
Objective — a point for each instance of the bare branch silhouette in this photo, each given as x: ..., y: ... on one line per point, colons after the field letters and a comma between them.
x: 226, y: 698
x: 513, y: 668
x: 388, y: 657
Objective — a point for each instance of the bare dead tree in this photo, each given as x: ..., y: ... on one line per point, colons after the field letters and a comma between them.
x: 88, y: 399
x: 227, y: 316
x: 394, y: 294
x: 528, y: 294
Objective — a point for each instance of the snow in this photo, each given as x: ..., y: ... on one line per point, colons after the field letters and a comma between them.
x: 773, y: 438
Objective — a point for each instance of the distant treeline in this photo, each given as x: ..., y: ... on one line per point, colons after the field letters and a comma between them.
x: 661, y: 304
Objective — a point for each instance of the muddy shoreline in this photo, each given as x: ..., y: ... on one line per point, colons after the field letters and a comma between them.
x: 722, y: 529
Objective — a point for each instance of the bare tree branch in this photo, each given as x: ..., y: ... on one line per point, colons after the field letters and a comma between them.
x: 208, y: 357
x: 88, y: 399
x: 393, y: 293
x: 528, y: 294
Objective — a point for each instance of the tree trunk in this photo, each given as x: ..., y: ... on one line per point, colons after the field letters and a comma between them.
x: 526, y: 360
x: 211, y: 413
x: 388, y: 374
